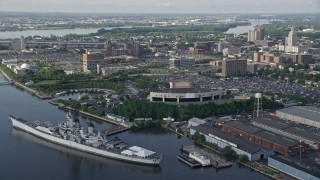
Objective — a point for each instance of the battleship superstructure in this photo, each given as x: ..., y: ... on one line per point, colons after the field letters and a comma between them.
x: 71, y: 134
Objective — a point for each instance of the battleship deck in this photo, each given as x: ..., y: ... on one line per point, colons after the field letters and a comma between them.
x: 216, y: 160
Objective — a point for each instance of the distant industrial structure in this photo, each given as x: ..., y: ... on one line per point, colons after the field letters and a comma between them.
x: 184, y: 92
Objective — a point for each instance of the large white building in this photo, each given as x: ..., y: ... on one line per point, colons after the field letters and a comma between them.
x: 184, y: 92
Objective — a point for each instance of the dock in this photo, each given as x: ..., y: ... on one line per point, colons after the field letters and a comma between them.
x: 189, y: 161
x: 115, y: 130
x: 216, y: 160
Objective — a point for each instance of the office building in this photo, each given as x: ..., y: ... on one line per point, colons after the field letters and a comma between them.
x: 234, y: 67
x: 92, y: 60
x: 181, y: 63
x: 18, y: 44
x: 299, y: 58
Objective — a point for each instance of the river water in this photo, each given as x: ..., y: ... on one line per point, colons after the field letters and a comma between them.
x: 23, y: 156
x: 245, y: 29
x: 63, y: 32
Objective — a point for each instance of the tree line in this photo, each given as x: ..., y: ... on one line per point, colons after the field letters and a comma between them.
x: 138, y: 109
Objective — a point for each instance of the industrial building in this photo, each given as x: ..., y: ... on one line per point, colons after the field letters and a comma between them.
x: 234, y: 67
x: 267, y: 139
x: 307, y: 115
x: 240, y: 146
x: 184, y: 92
x: 295, y: 167
x: 292, y: 131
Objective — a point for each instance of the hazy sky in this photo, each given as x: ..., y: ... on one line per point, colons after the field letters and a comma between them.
x: 163, y: 6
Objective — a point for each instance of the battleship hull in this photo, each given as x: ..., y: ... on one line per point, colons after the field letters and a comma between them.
x: 81, y: 147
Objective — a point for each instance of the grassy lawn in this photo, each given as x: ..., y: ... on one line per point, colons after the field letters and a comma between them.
x: 47, y: 82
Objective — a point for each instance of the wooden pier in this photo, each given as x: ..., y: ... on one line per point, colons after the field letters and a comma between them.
x: 216, y: 160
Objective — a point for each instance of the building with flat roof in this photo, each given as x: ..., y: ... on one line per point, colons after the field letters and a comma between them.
x: 223, y: 139
x: 195, y: 122
x: 184, y: 92
x: 307, y: 115
x: 298, y: 58
x: 18, y: 44
x: 93, y: 60
x: 267, y: 139
x: 181, y: 63
x: 267, y: 57
x: 288, y: 130
x: 234, y: 67
x: 295, y: 167
x: 257, y: 33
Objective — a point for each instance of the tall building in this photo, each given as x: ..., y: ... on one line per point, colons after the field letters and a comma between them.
x: 256, y: 34
x: 92, y: 61
x: 132, y: 47
x: 292, y: 38
x: 234, y: 67
x: 181, y: 63
x: 222, y: 44
x: 18, y: 44
x: 291, y: 44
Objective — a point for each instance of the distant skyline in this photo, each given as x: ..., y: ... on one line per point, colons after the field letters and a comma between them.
x: 163, y: 6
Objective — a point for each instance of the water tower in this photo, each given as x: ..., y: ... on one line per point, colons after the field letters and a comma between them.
x: 257, y: 112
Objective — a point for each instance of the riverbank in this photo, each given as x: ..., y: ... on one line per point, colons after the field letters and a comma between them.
x: 32, y: 91
x: 127, y: 125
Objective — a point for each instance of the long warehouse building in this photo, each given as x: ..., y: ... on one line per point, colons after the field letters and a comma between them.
x: 307, y: 115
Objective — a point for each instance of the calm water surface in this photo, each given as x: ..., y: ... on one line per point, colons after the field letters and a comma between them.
x: 63, y: 32
x: 23, y: 156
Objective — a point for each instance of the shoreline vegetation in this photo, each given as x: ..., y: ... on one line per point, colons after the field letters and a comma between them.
x: 134, y: 28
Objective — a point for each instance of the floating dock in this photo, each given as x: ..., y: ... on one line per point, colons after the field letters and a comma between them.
x: 189, y: 161
x: 216, y: 161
